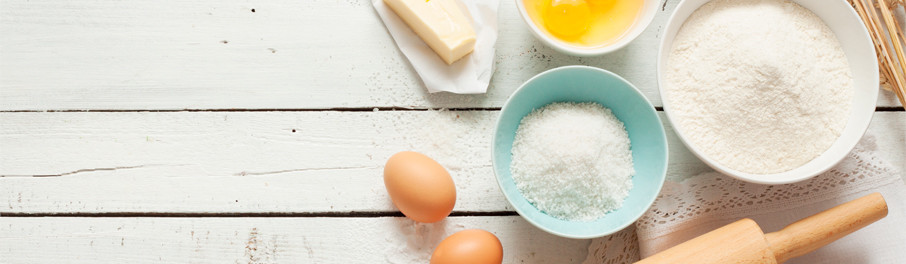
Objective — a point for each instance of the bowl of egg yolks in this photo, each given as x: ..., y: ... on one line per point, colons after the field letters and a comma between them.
x: 587, y: 27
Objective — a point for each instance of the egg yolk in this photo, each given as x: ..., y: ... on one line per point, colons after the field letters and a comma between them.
x: 584, y: 23
x: 602, y: 3
x: 568, y: 18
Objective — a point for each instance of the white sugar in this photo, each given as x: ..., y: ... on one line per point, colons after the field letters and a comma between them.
x: 572, y: 160
x: 760, y: 86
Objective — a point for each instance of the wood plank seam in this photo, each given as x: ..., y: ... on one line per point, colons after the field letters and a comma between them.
x: 333, y: 109
x: 352, y: 214
x: 350, y: 109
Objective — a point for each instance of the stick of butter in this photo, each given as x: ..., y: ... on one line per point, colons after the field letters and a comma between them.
x: 440, y: 23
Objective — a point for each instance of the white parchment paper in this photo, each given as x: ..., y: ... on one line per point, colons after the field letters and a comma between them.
x: 469, y: 75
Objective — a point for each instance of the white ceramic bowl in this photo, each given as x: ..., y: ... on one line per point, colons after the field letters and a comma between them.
x: 641, y: 22
x: 856, y: 43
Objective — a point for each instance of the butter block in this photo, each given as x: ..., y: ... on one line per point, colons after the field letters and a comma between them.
x: 442, y: 24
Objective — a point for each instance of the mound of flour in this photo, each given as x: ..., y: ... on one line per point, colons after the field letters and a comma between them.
x: 760, y: 86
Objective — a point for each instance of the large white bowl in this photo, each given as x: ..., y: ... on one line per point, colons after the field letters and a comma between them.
x: 641, y: 22
x: 856, y: 43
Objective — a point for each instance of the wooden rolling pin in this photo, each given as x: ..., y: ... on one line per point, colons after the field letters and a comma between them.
x: 744, y: 242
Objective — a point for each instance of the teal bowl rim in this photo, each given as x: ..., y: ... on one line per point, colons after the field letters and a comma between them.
x: 651, y: 199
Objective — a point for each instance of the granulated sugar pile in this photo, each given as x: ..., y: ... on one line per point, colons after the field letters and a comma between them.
x: 760, y: 86
x: 572, y: 160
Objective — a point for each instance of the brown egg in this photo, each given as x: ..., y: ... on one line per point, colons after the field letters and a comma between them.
x: 419, y: 186
x: 474, y: 246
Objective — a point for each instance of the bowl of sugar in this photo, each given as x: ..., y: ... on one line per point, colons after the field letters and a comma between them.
x: 768, y: 91
x: 579, y: 152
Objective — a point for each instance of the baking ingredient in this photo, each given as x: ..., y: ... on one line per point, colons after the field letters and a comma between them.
x: 584, y: 23
x: 473, y: 246
x: 572, y: 160
x: 567, y: 18
x: 442, y: 24
x: 759, y: 86
x: 419, y: 186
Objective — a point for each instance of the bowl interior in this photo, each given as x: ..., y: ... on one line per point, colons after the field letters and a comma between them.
x: 859, y: 50
x: 587, y: 84
x: 649, y: 10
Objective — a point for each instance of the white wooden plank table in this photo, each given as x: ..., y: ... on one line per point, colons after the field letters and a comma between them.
x: 204, y: 131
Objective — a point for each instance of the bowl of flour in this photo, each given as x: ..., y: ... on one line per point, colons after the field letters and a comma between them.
x: 768, y: 91
x: 579, y: 152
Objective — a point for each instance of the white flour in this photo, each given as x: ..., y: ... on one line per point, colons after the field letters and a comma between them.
x: 760, y: 86
x: 572, y: 161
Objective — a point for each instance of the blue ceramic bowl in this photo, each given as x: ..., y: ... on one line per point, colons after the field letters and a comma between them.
x: 586, y: 84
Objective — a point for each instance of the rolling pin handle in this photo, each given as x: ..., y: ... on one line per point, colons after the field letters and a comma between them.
x: 818, y: 230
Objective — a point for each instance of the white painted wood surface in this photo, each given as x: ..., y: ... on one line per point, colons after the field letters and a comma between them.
x: 319, y: 54
x: 265, y: 240
x: 88, y: 54
x: 254, y: 162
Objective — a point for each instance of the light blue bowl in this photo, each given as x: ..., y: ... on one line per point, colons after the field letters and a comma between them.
x: 587, y: 84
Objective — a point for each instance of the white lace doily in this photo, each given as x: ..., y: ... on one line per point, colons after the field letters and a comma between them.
x: 699, y: 204
x: 620, y: 247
